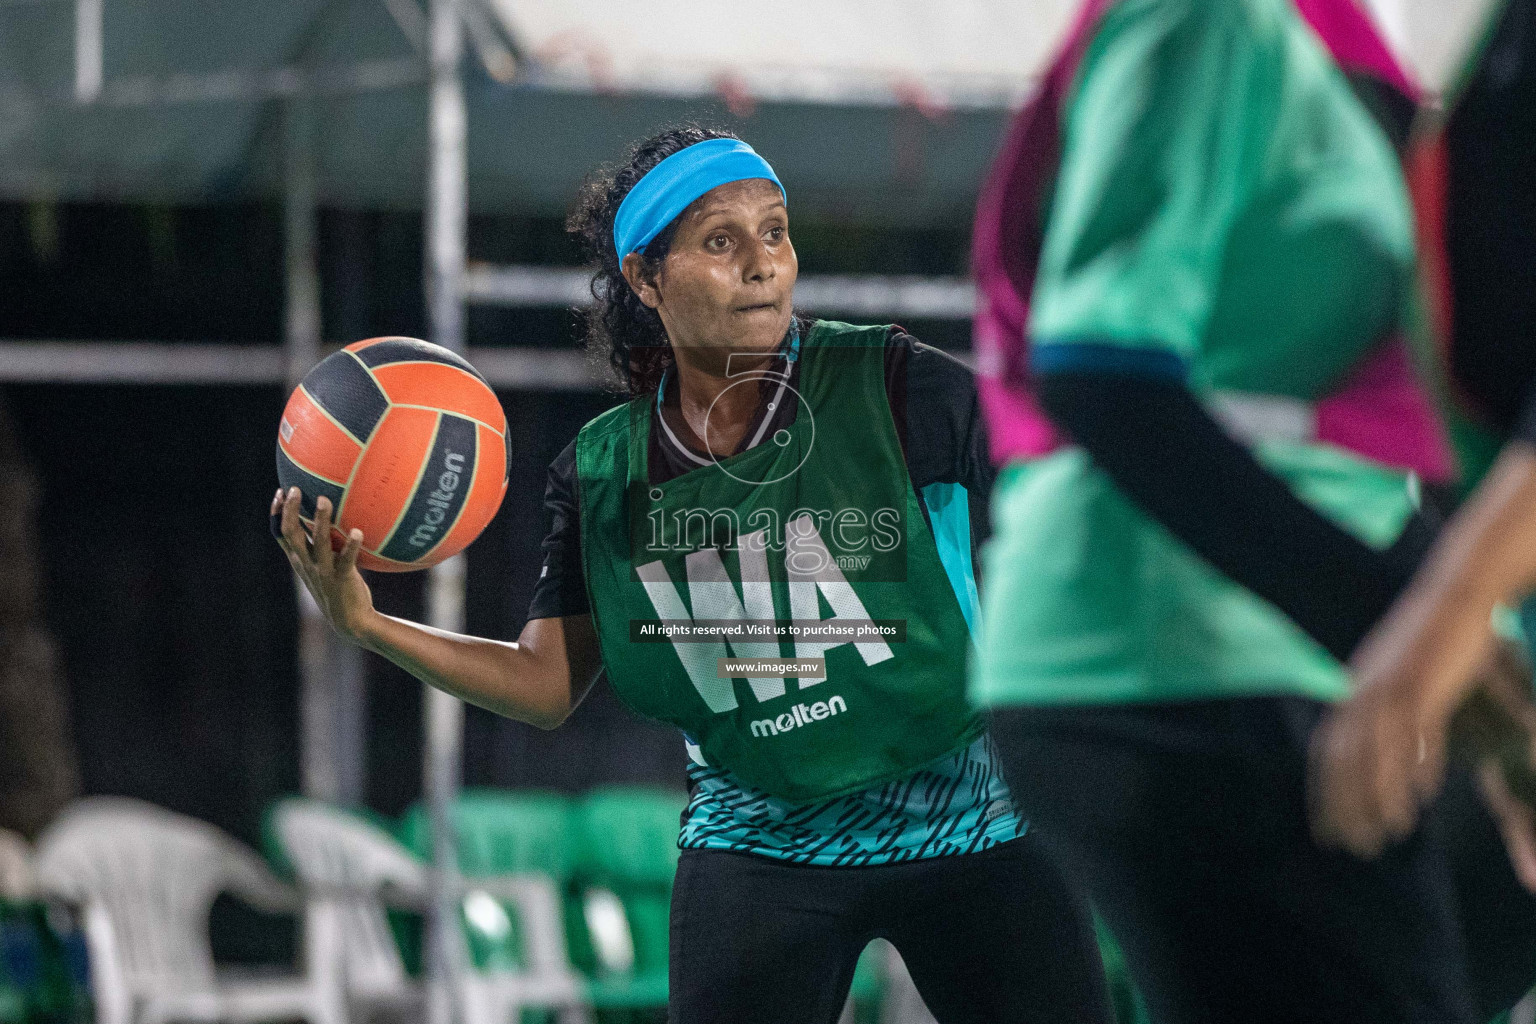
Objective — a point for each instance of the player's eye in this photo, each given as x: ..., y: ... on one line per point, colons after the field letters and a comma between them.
x: 719, y: 242
x: 776, y: 233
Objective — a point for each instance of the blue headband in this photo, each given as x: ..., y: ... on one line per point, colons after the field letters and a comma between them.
x: 668, y: 188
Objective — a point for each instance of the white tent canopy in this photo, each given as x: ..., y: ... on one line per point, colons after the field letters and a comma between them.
x: 1434, y: 35
x: 957, y: 53
x: 883, y: 114
x: 952, y: 54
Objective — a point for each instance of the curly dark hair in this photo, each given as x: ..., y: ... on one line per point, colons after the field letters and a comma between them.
x: 619, y: 327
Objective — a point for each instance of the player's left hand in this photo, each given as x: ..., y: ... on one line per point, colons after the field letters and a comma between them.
x: 1376, y: 759
x: 1381, y: 756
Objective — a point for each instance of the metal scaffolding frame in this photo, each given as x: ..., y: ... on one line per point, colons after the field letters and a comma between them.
x: 860, y: 295
x: 29, y: 361
x: 56, y: 361
x: 447, y: 210
x: 332, y: 691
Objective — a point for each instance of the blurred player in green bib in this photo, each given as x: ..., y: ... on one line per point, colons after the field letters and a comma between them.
x: 1196, y: 258
x: 775, y: 489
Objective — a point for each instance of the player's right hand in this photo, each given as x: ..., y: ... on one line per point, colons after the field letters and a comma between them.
x: 330, y: 576
x: 1380, y: 756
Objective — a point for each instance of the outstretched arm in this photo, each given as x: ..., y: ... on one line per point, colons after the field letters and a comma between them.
x: 538, y: 679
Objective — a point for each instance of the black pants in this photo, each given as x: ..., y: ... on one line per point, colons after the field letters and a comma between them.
x: 1498, y: 917
x: 989, y: 938
x: 1186, y: 824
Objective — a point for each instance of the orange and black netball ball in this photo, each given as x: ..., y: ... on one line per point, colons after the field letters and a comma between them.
x: 407, y: 441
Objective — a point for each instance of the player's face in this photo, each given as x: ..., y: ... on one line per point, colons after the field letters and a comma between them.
x: 728, y: 281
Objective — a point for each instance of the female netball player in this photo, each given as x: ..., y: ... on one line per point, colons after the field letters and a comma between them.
x: 769, y: 469
x: 1204, y: 236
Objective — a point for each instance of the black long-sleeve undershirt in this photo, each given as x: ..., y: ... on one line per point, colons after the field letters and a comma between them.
x: 1166, y: 453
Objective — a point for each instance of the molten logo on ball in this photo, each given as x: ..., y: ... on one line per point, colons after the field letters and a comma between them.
x: 439, y: 501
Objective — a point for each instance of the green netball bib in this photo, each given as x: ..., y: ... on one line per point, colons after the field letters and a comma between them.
x: 809, y: 545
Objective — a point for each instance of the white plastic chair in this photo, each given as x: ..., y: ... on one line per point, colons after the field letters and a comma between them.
x: 17, y: 881
x: 145, y: 879
x: 902, y: 1004
x: 497, y: 997
x: 352, y: 870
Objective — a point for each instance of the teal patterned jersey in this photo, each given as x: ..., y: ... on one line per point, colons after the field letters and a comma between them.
x: 956, y: 804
